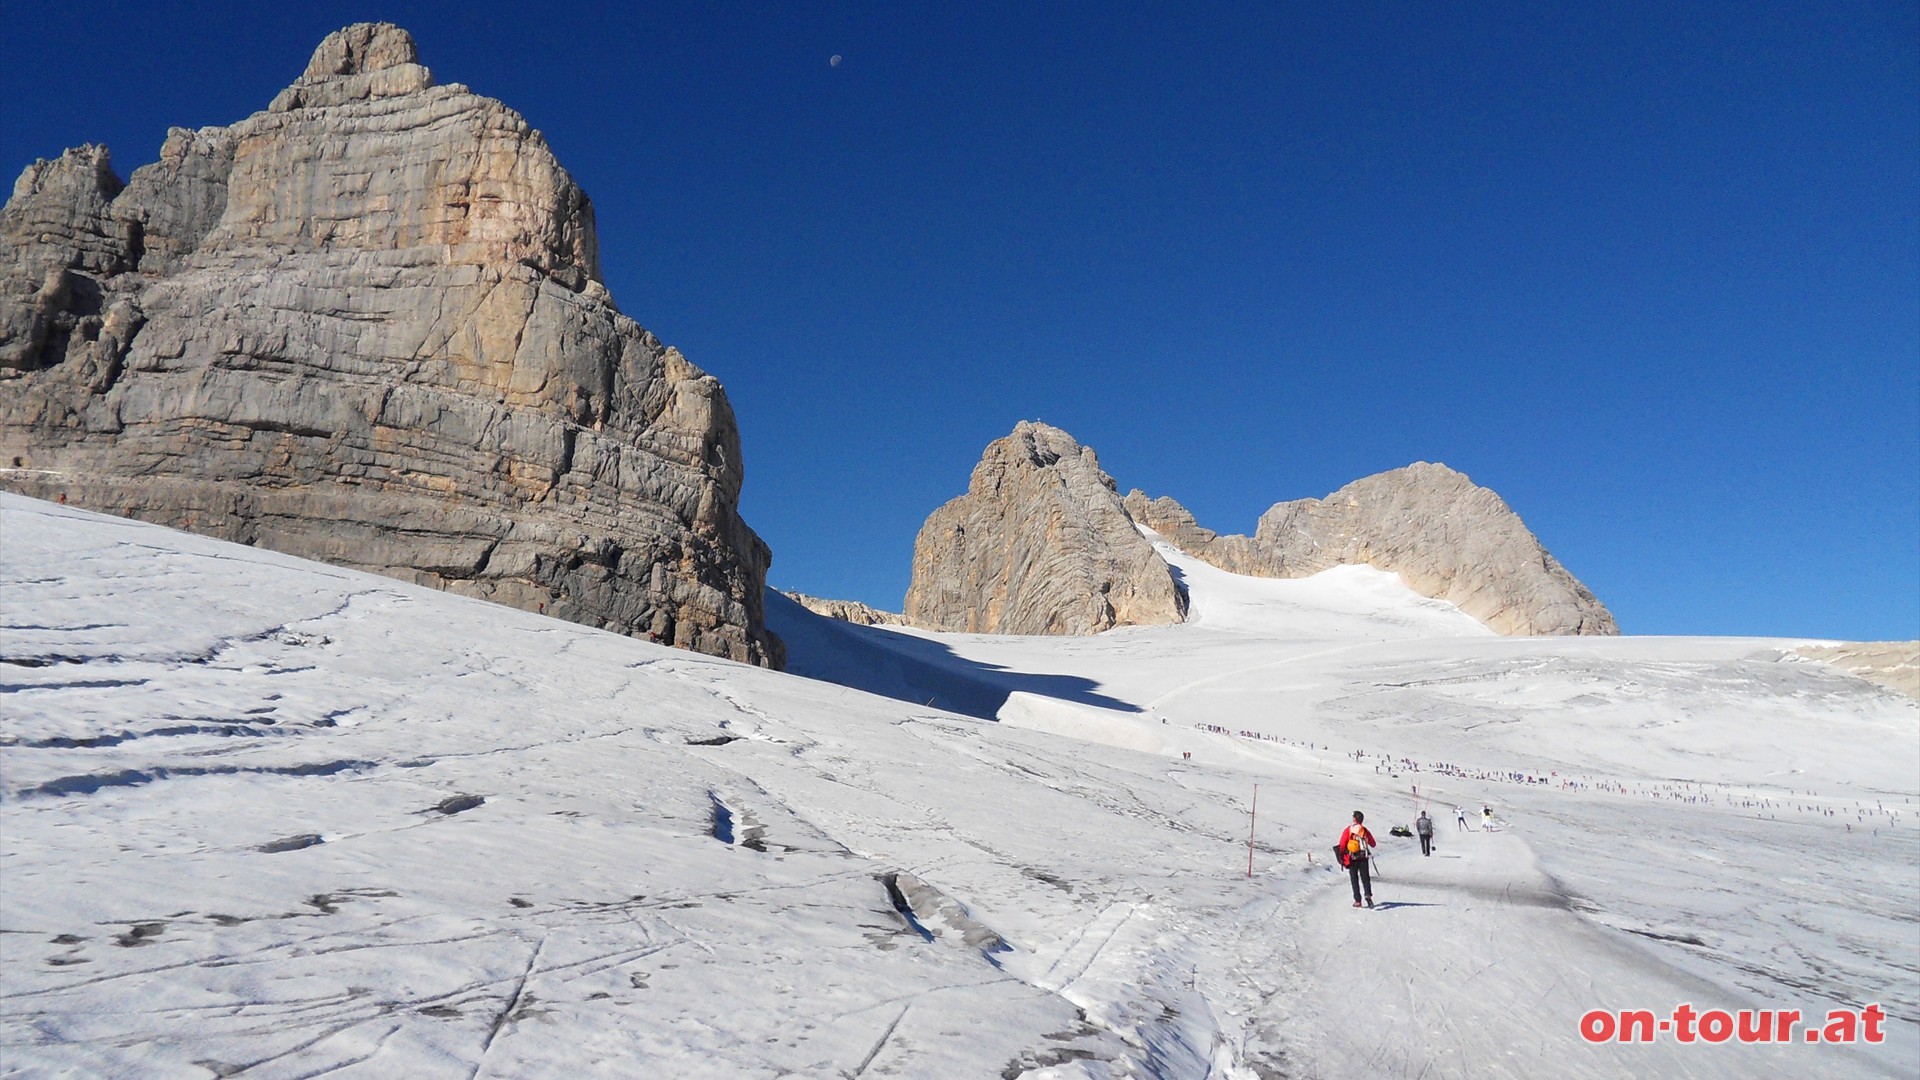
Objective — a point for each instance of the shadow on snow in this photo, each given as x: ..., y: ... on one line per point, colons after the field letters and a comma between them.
x: 910, y: 668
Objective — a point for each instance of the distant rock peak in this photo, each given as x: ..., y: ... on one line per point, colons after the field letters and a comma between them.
x: 362, y: 62
x: 360, y: 48
x: 852, y: 611
x: 1039, y: 544
x: 1044, y: 445
x: 1446, y: 537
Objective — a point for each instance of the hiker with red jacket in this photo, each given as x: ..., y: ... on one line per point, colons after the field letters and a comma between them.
x: 1354, y: 843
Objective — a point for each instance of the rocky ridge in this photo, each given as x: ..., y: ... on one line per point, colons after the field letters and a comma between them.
x: 367, y: 326
x: 852, y: 611
x: 1039, y: 544
x: 1447, y: 538
x: 1043, y: 544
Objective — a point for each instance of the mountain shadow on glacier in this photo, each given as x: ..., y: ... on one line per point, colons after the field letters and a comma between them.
x: 906, y: 667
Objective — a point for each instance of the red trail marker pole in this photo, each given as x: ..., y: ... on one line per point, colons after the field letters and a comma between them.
x: 1252, y: 816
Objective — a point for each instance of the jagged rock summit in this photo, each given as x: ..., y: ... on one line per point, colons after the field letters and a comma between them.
x: 1447, y: 538
x: 367, y: 326
x: 1041, y: 543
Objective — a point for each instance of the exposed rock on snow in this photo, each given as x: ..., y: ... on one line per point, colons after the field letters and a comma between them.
x: 367, y: 326
x: 1446, y: 536
x: 1039, y: 544
x: 852, y: 611
x: 1893, y: 664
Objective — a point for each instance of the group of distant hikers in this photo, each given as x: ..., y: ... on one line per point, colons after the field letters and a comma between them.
x: 1356, y: 845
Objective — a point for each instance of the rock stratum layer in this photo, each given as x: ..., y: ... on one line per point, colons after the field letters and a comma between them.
x: 1447, y: 538
x: 367, y: 326
x: 1042, y: 544
x: 1039, y: 544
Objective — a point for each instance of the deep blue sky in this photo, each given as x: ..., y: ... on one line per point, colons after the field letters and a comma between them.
x: 1651, y: 271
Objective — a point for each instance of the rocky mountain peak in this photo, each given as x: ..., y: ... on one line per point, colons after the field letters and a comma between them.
x: 1044, y: 445
x: 358, y: 63
x: 62, y: 207
x: 360, y: 48
x: 1447, y: 538
x: 366, y: 325
x: 81, y: 177
x: 1039, y: 544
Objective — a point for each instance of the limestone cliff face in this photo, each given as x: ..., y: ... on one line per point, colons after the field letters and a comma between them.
x: 367, y: 326
x: 1445, y: 536
x: 1039, y: 544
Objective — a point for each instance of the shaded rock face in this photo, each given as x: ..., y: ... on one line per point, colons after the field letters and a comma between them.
x: 367, y: 326
x: 1447, y: 538
x: 1039, y: 544
x: 852, y: 611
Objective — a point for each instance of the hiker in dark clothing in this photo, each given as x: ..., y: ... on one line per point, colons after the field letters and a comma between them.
x: 1354, y: 842
x: 1423, y: 826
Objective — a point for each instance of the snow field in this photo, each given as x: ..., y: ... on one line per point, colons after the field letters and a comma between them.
x: 262, y: 815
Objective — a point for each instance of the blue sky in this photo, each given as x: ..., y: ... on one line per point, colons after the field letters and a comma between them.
x: 1650, y: 271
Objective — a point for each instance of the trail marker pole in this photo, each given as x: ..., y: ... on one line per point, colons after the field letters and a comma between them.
x: 1252, y: 816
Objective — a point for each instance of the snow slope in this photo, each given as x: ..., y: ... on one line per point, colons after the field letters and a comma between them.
x: 267, y: 818
x: 1340, y: 602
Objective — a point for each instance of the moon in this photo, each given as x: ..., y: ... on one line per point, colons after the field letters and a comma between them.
x: 835, y: 62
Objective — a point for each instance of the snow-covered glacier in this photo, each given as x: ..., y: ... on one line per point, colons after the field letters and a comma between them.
x: 268, y: 818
